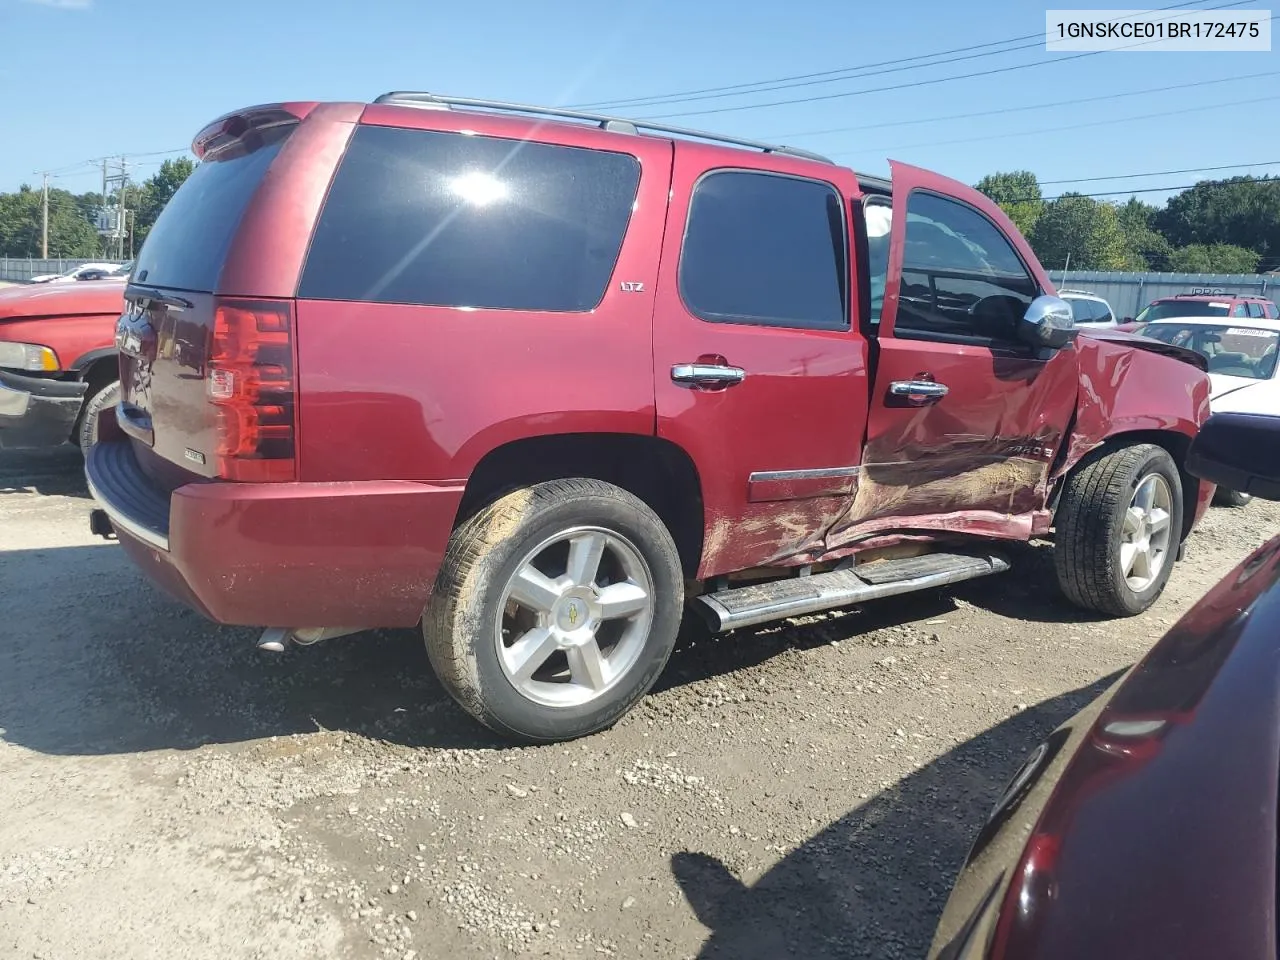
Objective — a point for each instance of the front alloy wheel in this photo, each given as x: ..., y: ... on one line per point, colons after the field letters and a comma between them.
x: 1145, y: 534
x: 1117, y: 529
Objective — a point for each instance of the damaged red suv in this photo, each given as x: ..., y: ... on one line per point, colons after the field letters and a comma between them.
x: 537, y: 380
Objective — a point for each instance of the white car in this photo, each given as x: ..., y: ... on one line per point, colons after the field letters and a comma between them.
x: 1242, y: 355
x: 1089, y: 310
x: 74, y: 274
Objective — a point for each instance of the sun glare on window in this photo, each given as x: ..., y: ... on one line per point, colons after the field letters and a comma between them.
x: 480, y: 189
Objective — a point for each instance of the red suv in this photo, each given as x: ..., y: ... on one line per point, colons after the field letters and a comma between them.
x: 535, y: 383
x: 1204, y: 305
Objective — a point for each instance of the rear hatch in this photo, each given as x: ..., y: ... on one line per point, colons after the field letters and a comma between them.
x: 206, y: 381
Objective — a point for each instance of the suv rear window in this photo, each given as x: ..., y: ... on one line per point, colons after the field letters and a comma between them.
x: 188, y: 244
x: 1163, y: 309
x: 445, y: 219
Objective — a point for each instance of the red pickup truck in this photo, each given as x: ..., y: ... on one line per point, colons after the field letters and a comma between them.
x: 536, y: 383
x: 58, y: 364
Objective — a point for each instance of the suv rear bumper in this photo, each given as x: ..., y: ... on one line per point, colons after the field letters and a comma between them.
x: 281, y: 554
x: 38, y: 412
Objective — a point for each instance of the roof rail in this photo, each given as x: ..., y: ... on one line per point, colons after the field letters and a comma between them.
x: 614, y: 124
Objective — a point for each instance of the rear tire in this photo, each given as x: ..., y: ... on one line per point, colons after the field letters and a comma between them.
x: 1118, y: 526
x: 556, y: 608
x: 1231, y: 498
x: 106, y: 396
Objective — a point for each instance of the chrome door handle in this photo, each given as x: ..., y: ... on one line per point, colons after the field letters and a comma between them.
x: 918, y: 391
x: 707, y: 374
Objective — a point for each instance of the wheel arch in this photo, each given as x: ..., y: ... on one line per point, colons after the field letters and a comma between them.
x: 1175, y: 443
x: 659, y: 472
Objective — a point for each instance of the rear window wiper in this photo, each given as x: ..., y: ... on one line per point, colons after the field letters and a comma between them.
x: 151, y: 293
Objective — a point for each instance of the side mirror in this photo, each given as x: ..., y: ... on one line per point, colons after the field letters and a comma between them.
x: 1048, y: 324
x: 1239, y: 451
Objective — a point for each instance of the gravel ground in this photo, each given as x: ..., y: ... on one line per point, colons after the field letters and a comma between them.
x: 804, y: 790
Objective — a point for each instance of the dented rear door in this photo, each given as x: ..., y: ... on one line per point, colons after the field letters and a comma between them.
x: 964, y: 421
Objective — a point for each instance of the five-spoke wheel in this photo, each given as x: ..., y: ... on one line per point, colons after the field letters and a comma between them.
x: 556, y: 608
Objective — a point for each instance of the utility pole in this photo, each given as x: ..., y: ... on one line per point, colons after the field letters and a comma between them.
x: 124, y: 182
x: 44, y: 220
x: 112, y: 228
x: 106, y: 243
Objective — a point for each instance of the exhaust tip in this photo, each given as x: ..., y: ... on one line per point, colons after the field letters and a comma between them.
x: 273, y: 639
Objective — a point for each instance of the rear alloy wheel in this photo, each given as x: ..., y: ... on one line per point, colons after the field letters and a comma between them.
x: 1231, y: 498
x: 1117, y: 530
x: 555, y: 610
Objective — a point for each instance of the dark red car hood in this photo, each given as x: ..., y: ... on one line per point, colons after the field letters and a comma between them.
x: 1111, y: 335
x: 1145, y: 827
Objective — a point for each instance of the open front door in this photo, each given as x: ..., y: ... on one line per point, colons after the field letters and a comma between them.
x: 964, y: 420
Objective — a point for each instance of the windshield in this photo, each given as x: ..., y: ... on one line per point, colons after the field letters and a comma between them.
x: 1183, y: 308
x: 1232, y: 351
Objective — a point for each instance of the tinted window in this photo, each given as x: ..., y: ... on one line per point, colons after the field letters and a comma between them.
x: 765, y: 249
x: 1162, y: 309
x: 1255, y: 310
x: 1239, y: 311
x: 188, y: 243
x: 960, y: 276
x: 446, y: 219
x: 1083, y: 311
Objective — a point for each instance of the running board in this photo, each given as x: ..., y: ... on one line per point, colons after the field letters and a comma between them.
x: 778, y: 599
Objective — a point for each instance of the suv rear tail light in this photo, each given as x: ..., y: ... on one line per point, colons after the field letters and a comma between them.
x: 251, y: 384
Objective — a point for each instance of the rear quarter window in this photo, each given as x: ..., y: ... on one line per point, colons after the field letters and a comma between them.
x: 445, y: 219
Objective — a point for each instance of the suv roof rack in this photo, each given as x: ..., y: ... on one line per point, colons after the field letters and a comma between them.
x: 1085, y: 293
x: 1219, y: 296
x: 614, y: 124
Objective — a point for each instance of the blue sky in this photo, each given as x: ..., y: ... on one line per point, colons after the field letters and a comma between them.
x: 98, y: 77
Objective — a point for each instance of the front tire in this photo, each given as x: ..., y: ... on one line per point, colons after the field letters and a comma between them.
x: 556, y: 608
x: 1231, y: 498
x: 87, y: 430
x: 1117, y: 530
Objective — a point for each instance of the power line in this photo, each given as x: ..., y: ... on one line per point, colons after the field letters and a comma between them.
x: 896, y: 67
x: 1165, y: 173
x: 1210, y: 184
x: 778, y: 83
x: 767, y: 84
x: 783, y: 137
x: 916, y: 83
x: 1060, y: 128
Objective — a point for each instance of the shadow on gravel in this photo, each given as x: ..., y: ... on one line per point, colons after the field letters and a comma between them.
x: 873, y: 883
x: 58, y: 471
x: 94, y: 660
x: 1029, y: 591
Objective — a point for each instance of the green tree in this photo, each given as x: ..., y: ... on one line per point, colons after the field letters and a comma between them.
x: 70, y: 233
x: 1084, y: 229
x: 1146, y: 248
x: 1214, y: 258
x: 1018, y: 194
x: 1241, y: 211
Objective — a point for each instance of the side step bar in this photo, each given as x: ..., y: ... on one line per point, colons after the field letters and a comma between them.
x: 760, y: 603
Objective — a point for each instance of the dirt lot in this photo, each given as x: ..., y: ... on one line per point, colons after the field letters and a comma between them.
x: 798, y: 791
